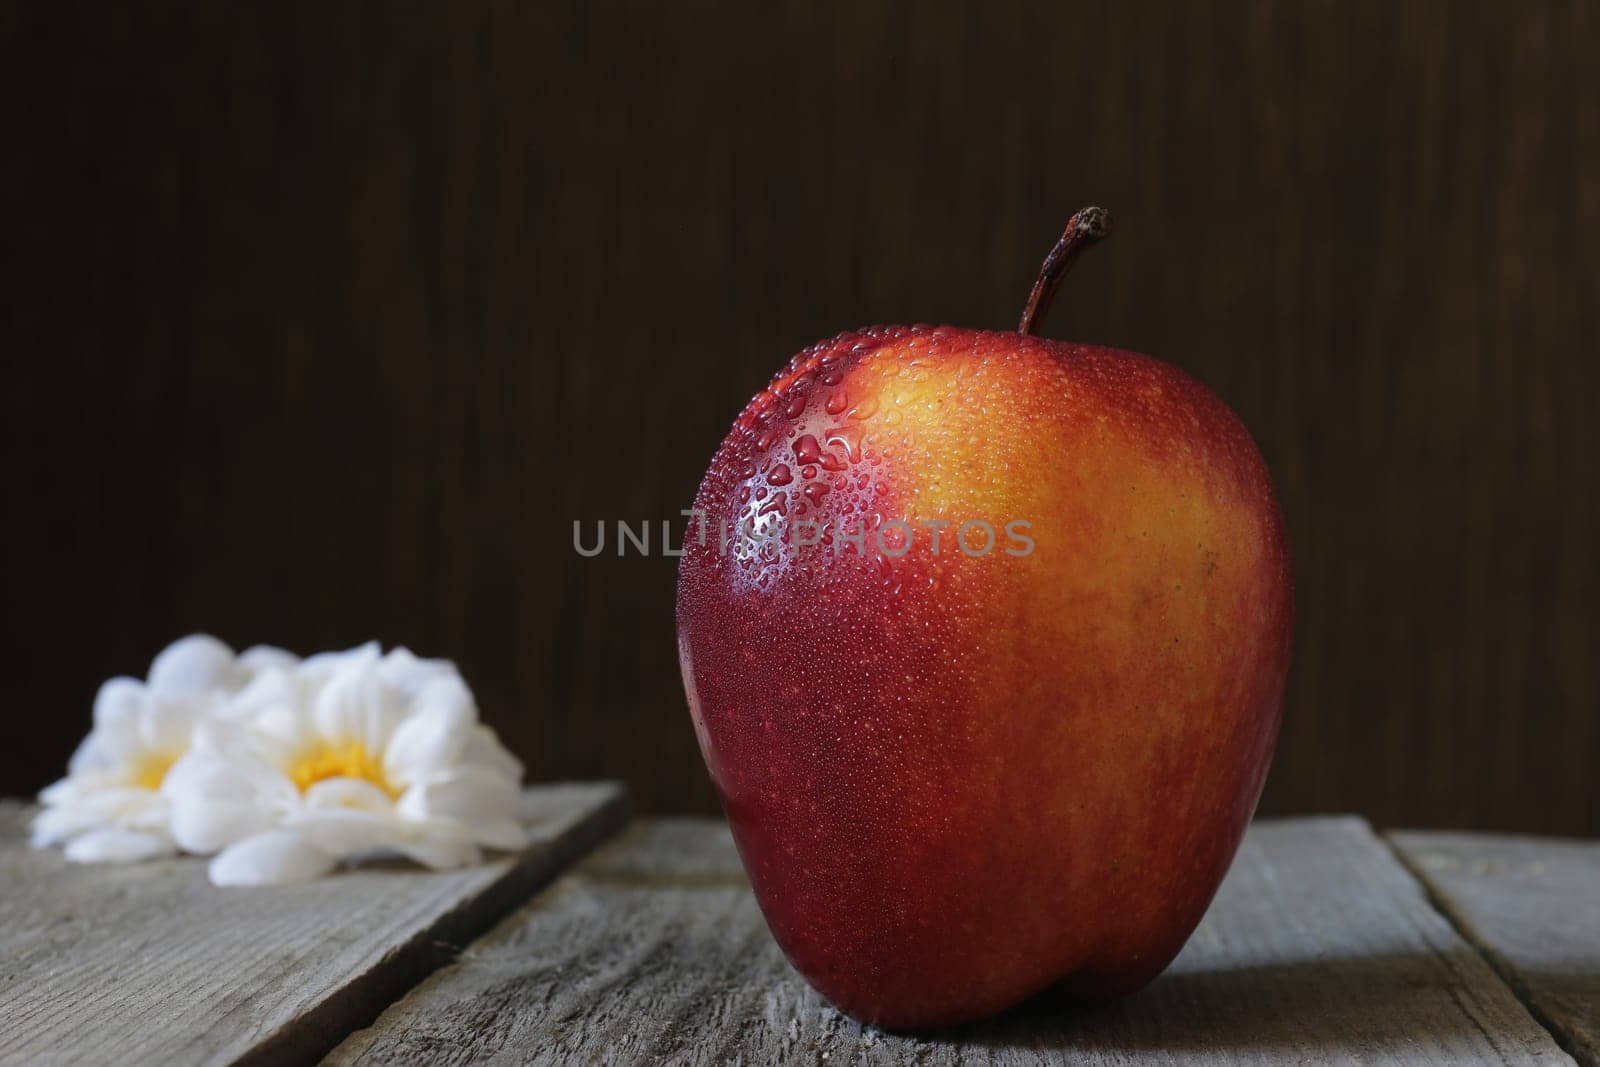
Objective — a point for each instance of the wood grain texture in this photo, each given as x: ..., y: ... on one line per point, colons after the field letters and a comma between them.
x: 1532, y: 907
x: 150, y: 963
x: 326, y: 321
x: 1319, y: 947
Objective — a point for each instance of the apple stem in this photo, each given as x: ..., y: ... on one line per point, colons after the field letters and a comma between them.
x: 1085, y: 228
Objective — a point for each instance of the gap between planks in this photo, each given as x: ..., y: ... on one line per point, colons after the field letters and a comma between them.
x: 150, y: 963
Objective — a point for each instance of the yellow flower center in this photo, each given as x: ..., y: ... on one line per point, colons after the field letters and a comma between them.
x: 339, y: 761
x: 151, y: 769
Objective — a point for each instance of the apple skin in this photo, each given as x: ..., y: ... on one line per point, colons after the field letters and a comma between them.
x: 955, y: 780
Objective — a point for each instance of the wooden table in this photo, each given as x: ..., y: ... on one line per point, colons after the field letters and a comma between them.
x: 1326, y: 942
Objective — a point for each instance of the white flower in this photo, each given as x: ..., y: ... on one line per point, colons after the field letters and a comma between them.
x: 109, y: 807
x: 339, y: 756
x: 283, y: 767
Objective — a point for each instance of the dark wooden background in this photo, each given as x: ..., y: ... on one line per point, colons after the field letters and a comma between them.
x: 324, y: 322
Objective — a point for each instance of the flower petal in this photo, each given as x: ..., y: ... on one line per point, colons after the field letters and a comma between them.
x: 319, y: 668
x: 507, y: 835
x: 288, y: 725
x: 481, y: 800
x: 167, y: 726
x: 53, y: 826
x: 269, y: 692
x: 89, y: 757
x: 347, y: 832
x: 355, y: 707
x: 116, y: 845
x: 115, y: 741
x: 119, y: 699
x: 219, y: 797
x: 194, y: 664
x: 353, y: 794
x: 260, y: 659
x: 95, y: 808
x: 276, y: 857
x: 485, y: 750
x: 204, y: 828
x: 431, y: 740
x: 439, y: 845
x: 62, y: 791
x: 229, y: 763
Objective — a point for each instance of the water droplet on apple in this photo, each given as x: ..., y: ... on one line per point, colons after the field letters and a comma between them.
x: 780, y: 475
x: 865, y: 409
x: 848, y: 436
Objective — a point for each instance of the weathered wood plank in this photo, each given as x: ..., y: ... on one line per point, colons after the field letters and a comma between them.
x: 1320, y: 946
x: 1532, y: 905
x: 150, y: 963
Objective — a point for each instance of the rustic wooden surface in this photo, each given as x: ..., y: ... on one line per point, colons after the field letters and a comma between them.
x: 1320, y: 946
x: 1532, y: 907
x: 417, y: 285
x: 150, y: 963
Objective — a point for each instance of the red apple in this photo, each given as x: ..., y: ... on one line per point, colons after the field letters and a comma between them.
x: 956, y: 776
